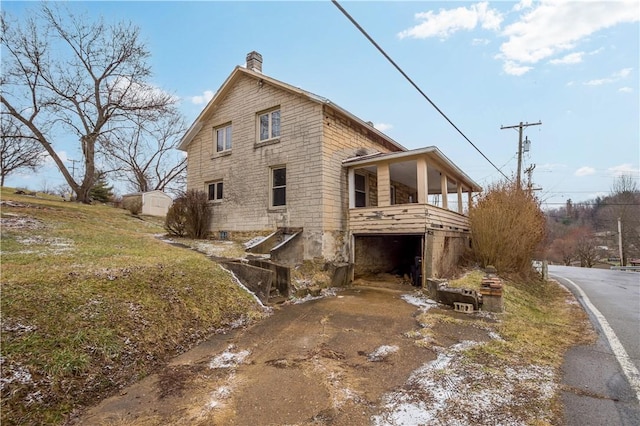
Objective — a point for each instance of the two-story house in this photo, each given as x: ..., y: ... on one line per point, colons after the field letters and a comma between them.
x: 272, y: 156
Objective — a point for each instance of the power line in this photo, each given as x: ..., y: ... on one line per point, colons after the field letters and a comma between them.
x: 354, y: 22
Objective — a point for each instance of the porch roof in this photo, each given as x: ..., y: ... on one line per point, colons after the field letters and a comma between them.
x: 437, y: 158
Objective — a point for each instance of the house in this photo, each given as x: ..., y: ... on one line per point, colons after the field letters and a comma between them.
x: 275, y: 158
x: 154, y: 203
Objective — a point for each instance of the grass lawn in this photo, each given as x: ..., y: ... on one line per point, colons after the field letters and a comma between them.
x: 92, y: 301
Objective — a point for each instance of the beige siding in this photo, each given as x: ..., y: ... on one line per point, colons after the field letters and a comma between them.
x: 342, y: 139
x: 246, y: 170
x: 405, y: 218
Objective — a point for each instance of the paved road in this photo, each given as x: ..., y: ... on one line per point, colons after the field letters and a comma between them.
x: 602, y: 380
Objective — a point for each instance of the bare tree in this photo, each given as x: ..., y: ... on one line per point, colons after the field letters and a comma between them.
x: 624, y: 204
x: 17, y: 149
x: 64, y: 75
x: 144, y: 154
x: 586, y: 247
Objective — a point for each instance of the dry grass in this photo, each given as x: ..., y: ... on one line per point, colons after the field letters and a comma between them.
x: 92, y: 301
x: 541, y: 322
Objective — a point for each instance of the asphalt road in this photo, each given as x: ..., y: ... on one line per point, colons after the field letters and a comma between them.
x: 602, y: 383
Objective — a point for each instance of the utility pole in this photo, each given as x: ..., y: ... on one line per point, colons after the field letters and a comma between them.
x: 73, y: 167
x: 620, y: 242
x: 520, y: 127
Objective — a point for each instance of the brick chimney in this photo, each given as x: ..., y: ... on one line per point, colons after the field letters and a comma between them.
x: 254, y: 61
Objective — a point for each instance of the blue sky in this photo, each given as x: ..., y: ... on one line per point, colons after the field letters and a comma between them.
x: 572, y: 65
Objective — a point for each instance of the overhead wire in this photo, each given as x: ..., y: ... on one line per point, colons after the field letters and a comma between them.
x: 362, y: 30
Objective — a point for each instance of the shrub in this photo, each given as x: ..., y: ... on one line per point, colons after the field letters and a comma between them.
x: 134, y: 205
x: 189, y: 215
x: 507, y: 226
x: 176, y: 220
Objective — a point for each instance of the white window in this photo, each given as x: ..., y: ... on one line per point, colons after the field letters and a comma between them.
x: 222, y: 136
x: 278, y: 186
x: 269, y: 125
x: 215, y: 190
x: 361, y: 190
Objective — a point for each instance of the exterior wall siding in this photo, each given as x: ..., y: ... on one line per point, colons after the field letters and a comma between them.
x: 245, y: 171
x: 342, y: 139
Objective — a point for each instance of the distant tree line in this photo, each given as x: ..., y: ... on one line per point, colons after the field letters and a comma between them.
x: 587, y: 233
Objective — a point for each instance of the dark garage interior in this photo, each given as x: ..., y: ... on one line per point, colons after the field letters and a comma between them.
x: 398, y: 255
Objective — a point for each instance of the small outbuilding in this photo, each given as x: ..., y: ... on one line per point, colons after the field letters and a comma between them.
x: 153, y: 203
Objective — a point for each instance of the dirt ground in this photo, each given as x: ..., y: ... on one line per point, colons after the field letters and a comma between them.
x: 325, y: 361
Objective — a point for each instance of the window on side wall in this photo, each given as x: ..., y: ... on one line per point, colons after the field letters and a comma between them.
x: 269, y: 125
x: 222, y: 137
x: 361, y: 190
x: 215, y: 191
x: 279, y: 186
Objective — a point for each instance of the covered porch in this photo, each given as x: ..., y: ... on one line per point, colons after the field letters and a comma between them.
x: 410, y: 193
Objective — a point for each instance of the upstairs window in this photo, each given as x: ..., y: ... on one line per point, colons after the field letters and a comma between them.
x: 278, y: 186
x: 222, y: 136
x: 269, y: 125
x: 216, y: 191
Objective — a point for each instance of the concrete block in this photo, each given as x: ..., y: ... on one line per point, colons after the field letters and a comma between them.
x: 467, y: 308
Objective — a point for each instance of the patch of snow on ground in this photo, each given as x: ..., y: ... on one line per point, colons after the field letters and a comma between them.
x: 382, y: 353
x: 325, y: 292
x: 454, y: 391
x: 219, y: 395
x: 229, y: 359
x: 420, y: 301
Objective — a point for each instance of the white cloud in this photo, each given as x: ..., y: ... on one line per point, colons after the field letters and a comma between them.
x: 524, y: 4
x: 445, y: 22
x: 548, y: 167
x: 625, y: 89
x: 512, y: 68
x: 616, y: 76
x: 571, y: 58
x: 206, y: 96
x: 624, y: 169
x: 480, y: 41
x: 553, y: 27
x: 585, y: 171
x: 383, y: 127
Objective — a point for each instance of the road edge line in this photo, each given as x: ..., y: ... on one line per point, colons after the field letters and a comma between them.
x: 628, y: 369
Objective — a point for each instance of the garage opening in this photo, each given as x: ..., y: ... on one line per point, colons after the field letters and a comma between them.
x: 398, y: 256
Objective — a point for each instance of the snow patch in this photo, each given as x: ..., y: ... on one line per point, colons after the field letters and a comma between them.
x: 382, y: 353
x: 229, y: 359
x: 464, y: 392
x: 420, y: 301
x: 325, y: 292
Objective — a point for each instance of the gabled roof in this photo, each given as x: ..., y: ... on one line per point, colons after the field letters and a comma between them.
x: 239, y: 72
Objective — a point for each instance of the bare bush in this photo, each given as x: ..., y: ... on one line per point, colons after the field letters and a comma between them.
x: 134, y: 205
x: 507, y: 226
x: 198, y: 214
x: 189, y: 215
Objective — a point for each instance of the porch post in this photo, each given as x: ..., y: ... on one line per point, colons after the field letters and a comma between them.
x: 384, y: 185
x: 443, y: 190
x: 351, y: 188
x: 423, y: 181
x: 470, y: 198
x: 459, y: 198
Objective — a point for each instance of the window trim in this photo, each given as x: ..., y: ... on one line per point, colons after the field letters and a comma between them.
x: 215, y: 184
x: 365, y: 191
x: 272, y: 187
x: 227, y: 144
x: 271, y: 138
